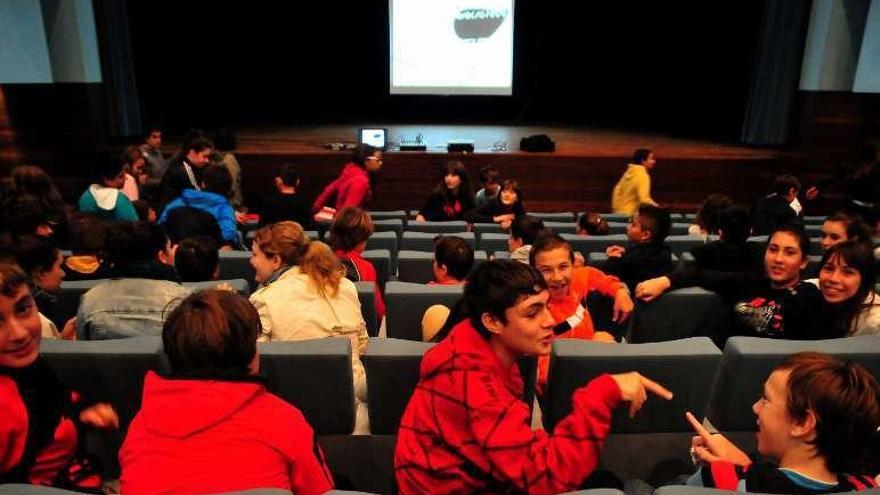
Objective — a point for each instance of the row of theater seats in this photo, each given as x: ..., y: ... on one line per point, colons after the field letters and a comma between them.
x: 677, y: 314
x: 316, y: 376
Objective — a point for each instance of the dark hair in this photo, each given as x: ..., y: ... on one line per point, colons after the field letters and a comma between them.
x: 129, y: 242
x: 464, y: 194
x: 217, y: 180
x: 844, y: 397
x: 88, y: 233
x: 361, y: 153
x: 641, y: 155
x: 513, y: 186
x: 656, y: 220
x: 36, y: 253
x: 735, y: 224
x: 526, y: 228
x: 12, y: 277
x: 497, y: 285
x: 108, y: 166
x: 197, y: 143
x: 151, y: 129
x: 196, y: 259
x: 351, y: 226
x: 455, y: 254
x: 783, y: 183
x: 24, y: 215
x: 34, y: 181
x: 856, y: 230
x: 709, y: 215
x: 489, y: 174
x: 142, y: 208
x: 859, y: 256
x: 288, y: 175
x: 187, y: 221
x: 798, y: 232
x: 210, y: 333
x: 131, y: 154
x: 593, y: 224
x: 224, y: 139
x: 548, y: 241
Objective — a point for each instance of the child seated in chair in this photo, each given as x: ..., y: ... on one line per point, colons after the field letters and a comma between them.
x: 817, y: 418
x: 646, y: 256
x: 40, y: 418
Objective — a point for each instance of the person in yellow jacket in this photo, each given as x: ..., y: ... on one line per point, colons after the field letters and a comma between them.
x: 634, y: 187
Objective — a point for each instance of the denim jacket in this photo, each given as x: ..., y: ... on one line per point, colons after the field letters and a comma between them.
x: 126, y: 307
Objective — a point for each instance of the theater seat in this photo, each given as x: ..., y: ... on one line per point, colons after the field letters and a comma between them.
x: 239, y: 284
x: 594, y: 244
x: 389, y: 225
x: 406, y: 303
x: 677, y: 314
x: 381, y: 260
x: 686, y: 367
x: 417, y: 266
x: 747, y: 363
x: 561, y: 227
x: 389, y: 214
x: 560, y: 216
x: 438, y: 227
x: 653, y: 445
x: 385, y: 240
x: 367, y: 297
x: 237, y: 264
x: 683, y: 243
x: 486, y: 228
x: 492, y: 242
x: 315, y: 376
x: 424, y: 241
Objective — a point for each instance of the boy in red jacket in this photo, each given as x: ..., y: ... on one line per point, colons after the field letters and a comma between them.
x: 38, y: 415
x: 466, y: 428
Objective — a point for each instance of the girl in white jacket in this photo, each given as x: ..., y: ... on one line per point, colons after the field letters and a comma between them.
x: 304, y: 295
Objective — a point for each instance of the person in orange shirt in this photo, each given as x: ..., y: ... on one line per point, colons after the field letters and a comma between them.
x: 569, y: 287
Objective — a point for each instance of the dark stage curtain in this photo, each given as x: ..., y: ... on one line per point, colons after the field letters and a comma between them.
x: 769, y: 117
x: 117, y: 67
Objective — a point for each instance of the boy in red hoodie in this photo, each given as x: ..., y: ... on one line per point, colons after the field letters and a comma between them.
x: 211, y: 426
x: 466, y: 428
x: 38, y: 415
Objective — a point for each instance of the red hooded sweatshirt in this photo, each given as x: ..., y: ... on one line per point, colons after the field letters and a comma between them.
x: 352, y: 188
x: 206, y: 436
x: 466, y: 428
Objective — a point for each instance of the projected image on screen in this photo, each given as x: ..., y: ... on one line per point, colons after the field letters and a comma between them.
x: 452, y: 47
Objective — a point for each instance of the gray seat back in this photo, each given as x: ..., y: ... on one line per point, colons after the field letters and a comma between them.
x: 424, y: 241
x: 389, y: 225
x: 677, y: 314
x: 417, y: 266
x: 558, y: 216
x: 492, y: 242
x: 748, y: 361
x: 240, y: 285
x: 594, y: 244
x: 683, y: 366
x: 438, y: 227
x: 561, y: 227
x: 385, y: 240
x: 407, y: 302
x: 392, y: 367
x: 315, y: 376
x: 367, y: 297
x: 109, y: 371
x: 237, y: 264
x: 683, y: 243
x: 381, y: 260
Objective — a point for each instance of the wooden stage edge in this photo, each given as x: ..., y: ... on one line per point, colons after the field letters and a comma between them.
x: 570, y: 141
x: 578, y: 176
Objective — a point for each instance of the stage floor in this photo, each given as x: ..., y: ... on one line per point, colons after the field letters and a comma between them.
x: 570, y: 142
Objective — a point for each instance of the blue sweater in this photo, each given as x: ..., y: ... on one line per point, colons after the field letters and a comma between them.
x: 212, y: 203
